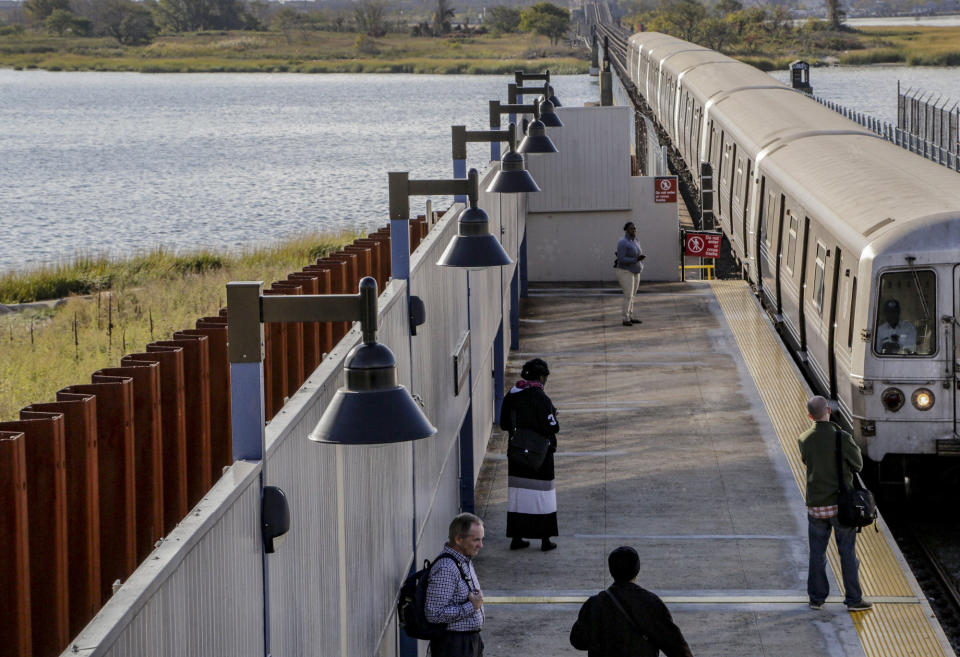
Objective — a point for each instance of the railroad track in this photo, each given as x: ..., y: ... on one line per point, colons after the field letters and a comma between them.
x: 934, y: 567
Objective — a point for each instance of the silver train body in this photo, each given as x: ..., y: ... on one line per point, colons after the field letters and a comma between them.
x: 852, y: 242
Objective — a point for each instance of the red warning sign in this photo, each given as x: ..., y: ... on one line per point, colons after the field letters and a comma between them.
x: 665, y: 189
x: 701, y: 245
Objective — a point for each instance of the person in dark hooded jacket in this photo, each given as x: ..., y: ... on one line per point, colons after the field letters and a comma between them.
x: 626, y: 620
x: 531, y: 497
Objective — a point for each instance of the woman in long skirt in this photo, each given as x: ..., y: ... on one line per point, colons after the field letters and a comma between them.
x: 531, y: 497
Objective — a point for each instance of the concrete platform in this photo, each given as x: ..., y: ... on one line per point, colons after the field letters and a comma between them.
x: 665, y: 445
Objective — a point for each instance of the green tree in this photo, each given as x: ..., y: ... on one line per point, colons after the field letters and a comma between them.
x: 679, y: 18
x: 191, y: 15
x: 38, y: 10
x: 727, y: 7
x: 547, y: 19
x: 835, y: 13
x: 61, y: 21
x: 128, y: 22
x: 503, y: 20
x: 715, y: 33
x: 442, y: 16
x: 370, y: 16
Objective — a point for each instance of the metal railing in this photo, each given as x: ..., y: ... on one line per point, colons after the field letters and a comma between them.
x: 919, y: 114
x: 904, y: 138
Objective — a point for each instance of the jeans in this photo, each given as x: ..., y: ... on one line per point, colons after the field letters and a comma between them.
x: 628, y: 283
x: 819, y: 533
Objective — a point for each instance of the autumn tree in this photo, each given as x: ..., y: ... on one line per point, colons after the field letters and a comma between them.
x: 502, y: 19
x: 547, y: 19
x: 370, y: 16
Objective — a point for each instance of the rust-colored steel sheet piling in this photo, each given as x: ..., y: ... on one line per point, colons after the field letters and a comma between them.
x: 383, y: 234
x: 352, y: 276
x: 174, y: 423
x: 376, y: 269
x: 46, y: 477
x: 311, y: 330
x: 15, y: 566
x: 221, y: 436
x: 83, y: 507
x: 338, y: 272
x: 148, y: 448
x: 275, y: 389
x: 116, y: 469
x: 196, y: 377
x: 295, y: 331
x: 364, y: 262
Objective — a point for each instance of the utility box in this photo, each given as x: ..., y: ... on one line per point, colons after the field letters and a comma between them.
x: 800, y: 76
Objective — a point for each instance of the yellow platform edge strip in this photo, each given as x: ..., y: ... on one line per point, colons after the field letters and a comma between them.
x: 889, y: 630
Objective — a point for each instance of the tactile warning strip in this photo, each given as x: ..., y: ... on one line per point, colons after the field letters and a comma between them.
x: 890, y: 629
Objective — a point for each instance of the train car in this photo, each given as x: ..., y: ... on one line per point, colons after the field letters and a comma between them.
x: 851, y: 242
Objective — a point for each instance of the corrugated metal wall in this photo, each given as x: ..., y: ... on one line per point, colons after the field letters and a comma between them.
x: 605, y: 154
x: 333, y: 582
x: 201, y: 592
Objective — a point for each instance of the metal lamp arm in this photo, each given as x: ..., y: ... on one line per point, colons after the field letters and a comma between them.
x: 402, y: 188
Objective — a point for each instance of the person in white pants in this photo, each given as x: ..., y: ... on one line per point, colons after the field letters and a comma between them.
x: 629, y: 266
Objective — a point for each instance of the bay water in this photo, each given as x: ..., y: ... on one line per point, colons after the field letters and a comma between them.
x: 118, y: 163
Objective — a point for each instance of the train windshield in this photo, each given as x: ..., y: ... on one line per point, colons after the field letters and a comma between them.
x: 906, y: 314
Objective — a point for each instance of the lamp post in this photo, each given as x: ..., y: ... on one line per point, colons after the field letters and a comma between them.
x: 372, y: 408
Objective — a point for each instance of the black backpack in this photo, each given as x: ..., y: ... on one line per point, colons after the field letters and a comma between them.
x: 413, y: 596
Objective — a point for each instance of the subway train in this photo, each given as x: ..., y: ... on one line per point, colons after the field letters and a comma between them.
x: 852, y: 243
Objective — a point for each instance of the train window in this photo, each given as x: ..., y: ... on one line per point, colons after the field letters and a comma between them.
x: 792, y: 242
x: 771, y: 210
x: 818, y: 277
x: 906, y: 314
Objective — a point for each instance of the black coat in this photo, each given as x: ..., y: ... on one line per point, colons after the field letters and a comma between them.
x: 535, y: 411
x: 602, y: 630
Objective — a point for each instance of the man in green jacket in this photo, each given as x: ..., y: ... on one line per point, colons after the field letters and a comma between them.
x: 818, y: 450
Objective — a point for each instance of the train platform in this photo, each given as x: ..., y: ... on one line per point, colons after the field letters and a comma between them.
x: 678, y: 437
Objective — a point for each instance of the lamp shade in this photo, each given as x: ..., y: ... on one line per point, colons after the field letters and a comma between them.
x: 548, y: 116
x: 372, y: 409
x: 537, y: 140
x: 512, y: 178
x: 552, y: 97
x: 474, y: 247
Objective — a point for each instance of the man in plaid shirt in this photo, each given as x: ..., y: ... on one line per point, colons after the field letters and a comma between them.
x: 453, y: 592
x: 818, y: 450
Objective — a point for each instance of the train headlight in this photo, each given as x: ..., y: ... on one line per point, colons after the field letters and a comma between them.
x: 922, y: 399
x: 893, y: 399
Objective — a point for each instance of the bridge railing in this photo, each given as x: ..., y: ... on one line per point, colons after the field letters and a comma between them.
x: 903, y: 138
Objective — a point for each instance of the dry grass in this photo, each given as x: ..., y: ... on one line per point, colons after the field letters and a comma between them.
x: 44, y: 350
x: 301, y: 51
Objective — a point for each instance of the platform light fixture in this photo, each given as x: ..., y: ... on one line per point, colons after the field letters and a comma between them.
x: 512, y: 177
x: 473, y: 247
x: 372, y: 408
x: 536, y: 139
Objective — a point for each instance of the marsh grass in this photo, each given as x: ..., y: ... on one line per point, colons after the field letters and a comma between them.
x: 148, y: 298
x: 295, y: 51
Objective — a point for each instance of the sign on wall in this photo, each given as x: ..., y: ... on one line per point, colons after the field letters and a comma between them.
x: 665, y: 189
x: 461, y: 363
x: 701, y: 244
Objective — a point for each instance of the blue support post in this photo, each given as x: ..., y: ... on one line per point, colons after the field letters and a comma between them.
x: 246, y: 411
x: 467, y: 502
x: 515, y: 309
x: 495, y: 151
x: 522, y: 265
x: 460, y: 171
x: 498, y: 372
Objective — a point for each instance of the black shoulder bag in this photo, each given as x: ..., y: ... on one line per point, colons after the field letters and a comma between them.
x: 526, y: 447
x: 855, y: 506
x: 633, y: 623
